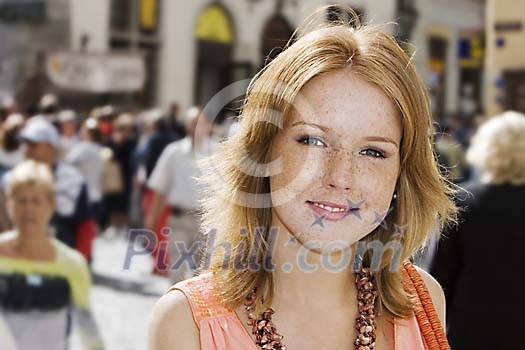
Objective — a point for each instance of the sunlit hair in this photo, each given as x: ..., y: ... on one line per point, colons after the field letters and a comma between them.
x: 498, y: 149
x: 30, y: 173
x: 424, y: 197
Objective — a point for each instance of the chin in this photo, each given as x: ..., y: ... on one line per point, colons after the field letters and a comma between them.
x: 328, y: 242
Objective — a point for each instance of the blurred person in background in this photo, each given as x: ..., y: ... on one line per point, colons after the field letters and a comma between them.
x: 479, y: 262
x: 105, y: 116
x: 173, y: 184
x: 451, y: 155
x: 160, y: 137
x: 7, y: 107
x: 68, y: 127
x: 11, y: 152
x: 122, y: 143
x: 86, y: 157
x: 44, y: 282
x: 48, y: 107
x: 174, y: 121
x: 155, y: 137
x: 72, y: 222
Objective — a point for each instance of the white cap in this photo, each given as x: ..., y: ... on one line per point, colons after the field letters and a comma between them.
x: 39, y: 130
x: 48, y: 100
x: 67, y: 115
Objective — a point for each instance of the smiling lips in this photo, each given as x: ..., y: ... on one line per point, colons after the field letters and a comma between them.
x: 330, y: 211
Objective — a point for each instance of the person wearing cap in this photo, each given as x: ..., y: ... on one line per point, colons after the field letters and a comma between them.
x: 72, y: 221
x: 67, y: 122
x: 105, y: 116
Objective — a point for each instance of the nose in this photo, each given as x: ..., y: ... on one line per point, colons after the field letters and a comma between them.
x: 339, y: 172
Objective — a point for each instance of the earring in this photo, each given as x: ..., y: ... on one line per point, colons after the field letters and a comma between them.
x: 395, y: 195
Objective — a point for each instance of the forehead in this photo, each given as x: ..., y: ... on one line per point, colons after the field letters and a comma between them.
x: 30, y: 188
x: 346, y: 103
x: 31, y: 143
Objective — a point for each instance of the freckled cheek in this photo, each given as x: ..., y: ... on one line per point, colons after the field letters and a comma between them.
x: 376, y: 183
x: 296, y: 169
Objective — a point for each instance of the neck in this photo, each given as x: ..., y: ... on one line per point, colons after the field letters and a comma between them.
x: 34, y: 244
x: 327, y: 285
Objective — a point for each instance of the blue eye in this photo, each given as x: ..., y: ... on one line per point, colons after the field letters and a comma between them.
x: 311, y: 141
x: 373, y: 152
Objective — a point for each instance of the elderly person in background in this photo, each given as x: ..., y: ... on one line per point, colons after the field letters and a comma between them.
x: 43, y: 280
x: 479, y: 262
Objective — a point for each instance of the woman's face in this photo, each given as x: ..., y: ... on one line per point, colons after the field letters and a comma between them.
x: 30, y: 207
x: 339, y: 149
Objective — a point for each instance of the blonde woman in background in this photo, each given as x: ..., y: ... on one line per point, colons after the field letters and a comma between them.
x: 478, y: 261
x: 43, y: 280
x: 333, y: 153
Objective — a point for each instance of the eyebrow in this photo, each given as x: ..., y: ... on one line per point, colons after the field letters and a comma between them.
x: 382, y: 139
x: 320, y: 127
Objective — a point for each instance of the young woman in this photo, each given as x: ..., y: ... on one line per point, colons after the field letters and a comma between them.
x: 43, y: 281
x: 333, y: 176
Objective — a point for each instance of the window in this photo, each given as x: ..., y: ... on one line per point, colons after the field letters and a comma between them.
x: 134, y: 27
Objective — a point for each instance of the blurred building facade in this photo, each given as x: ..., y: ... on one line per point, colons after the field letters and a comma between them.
x: 29, y: 29
x: 505, y: 56
x: 193, y: 49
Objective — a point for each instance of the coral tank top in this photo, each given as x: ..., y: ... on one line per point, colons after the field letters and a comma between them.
x: 221, y: 329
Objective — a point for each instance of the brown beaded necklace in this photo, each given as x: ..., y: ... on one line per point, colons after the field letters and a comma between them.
x: 267, y: 337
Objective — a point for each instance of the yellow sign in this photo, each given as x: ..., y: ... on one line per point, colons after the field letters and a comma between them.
x: 148, y: 14
x: 214, y: 25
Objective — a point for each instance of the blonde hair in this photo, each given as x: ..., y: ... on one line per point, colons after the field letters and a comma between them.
x: 31, y: 173
x: 498, y: 149
x: 241, y: 201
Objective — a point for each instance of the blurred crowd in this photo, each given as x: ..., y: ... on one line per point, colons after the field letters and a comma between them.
x: 68, y: 176
x: 102, y: 161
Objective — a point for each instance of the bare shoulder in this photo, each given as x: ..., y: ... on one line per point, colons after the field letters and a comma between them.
x: 436, y: 293
x: 171, y: 324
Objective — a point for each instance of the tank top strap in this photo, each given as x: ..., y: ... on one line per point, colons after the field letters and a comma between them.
x: 202, y: 297
x: 425, y: 311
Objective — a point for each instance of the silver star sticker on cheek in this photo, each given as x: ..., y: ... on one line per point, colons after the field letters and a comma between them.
x: 351, y: 206
x: 399, y: 230
x: 318, y: 220
x: 291, y: 239
x: 380, y: 218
